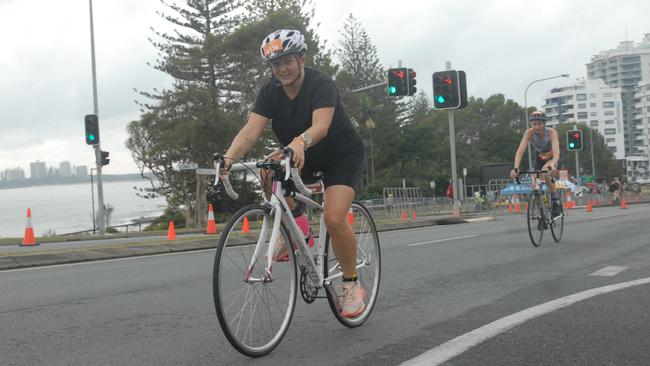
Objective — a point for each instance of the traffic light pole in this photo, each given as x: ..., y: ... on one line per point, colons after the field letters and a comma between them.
x: 454, y: 176
x: 575, y: 127
x: 369, y: 87
x: 100, y: 188
x: 577, y: 169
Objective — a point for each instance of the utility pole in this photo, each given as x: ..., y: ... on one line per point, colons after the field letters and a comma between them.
x: 97, y: 147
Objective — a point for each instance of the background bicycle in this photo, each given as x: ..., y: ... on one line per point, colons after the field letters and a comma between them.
x: 538, y: 214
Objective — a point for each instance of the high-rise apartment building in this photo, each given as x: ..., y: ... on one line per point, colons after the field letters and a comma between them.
x: 65, y: 169
x: 37, y: 170
x: 624, y: 67
x: 81, y: 171
x: 638, y: 164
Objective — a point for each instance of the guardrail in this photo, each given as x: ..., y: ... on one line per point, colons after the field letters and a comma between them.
x: 134, y: 224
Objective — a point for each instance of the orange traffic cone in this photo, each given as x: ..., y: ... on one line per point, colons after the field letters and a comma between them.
x: 350, y: 217
x: 509, y: 208
x: 212, y: 225
x: 403, y: 215
x: 171, y: 233
x: 246, y: 226
x: 569, y: 202
x: 413, y: 215
x: 28, y: 239
x: 623, y: 203
x: 518, y: 207
x: 590, y: 207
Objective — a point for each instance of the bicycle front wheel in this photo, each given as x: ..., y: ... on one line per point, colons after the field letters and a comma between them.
x: 254, y: 306
x: 557, y: 226
x: 368, y: 265
x: 535, y: 218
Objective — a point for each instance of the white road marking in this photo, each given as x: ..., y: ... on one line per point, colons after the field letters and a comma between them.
x: 609, y: 271
x: 106, y: 260
x: 441, y: 240
x: 460, y: 344
x: 604, y: 217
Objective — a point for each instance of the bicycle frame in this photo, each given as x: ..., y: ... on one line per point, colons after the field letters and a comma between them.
x: 280, y: 213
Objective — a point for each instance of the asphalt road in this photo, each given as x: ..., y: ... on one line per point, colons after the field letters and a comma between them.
x: 438, y: 283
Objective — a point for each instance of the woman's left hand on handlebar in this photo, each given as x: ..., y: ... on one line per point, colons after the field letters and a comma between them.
x: 298, y: 153
x: 224, y: 170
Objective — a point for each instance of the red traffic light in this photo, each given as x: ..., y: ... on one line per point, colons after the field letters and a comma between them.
x: 399, y: 74
x: 413, y: 74
x: 447, y: 81
x: 576, y: 135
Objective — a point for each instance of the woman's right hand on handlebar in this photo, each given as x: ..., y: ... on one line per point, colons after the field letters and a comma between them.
x: 514, y: 173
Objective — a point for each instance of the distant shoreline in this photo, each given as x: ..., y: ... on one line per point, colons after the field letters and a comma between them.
x: 69, y: 180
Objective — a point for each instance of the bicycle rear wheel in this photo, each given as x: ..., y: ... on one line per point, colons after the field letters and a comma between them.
x: 557, y: 226
x: 254, y: 306
x: 368, y: 265
x: 535, y: 218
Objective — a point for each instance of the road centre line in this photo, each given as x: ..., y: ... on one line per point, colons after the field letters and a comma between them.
x: 462, y: 343
x: 441, y: 240
x: 605, y: 217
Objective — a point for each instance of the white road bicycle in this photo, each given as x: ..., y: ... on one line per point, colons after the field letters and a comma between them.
x: 254, y: 292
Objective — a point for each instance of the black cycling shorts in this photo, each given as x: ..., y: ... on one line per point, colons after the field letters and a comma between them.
x: 346, y: 169
x: 539, y: 163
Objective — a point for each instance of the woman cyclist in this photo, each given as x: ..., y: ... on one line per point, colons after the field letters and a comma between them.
x: 547, y: 147
x: 306, y: 115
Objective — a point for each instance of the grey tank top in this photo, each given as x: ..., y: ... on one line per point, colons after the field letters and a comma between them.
x: 542, y: 144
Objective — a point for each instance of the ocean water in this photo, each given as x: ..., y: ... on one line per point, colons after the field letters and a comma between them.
x: 68, y: 208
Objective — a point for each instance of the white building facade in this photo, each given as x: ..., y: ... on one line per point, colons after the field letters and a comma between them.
x: 638, y: 164
x: 593, y: 103
x: 625, y: 67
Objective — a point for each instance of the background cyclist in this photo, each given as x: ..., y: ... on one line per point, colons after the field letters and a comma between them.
x: 548, y: 157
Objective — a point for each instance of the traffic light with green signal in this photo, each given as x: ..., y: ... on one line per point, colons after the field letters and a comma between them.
x: 92, y: 129
x: 449, y: 89
x: 398, y: 82
x: 574, y: 140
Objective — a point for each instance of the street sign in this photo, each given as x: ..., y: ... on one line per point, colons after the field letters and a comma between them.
x: 206, y: 171
x: 187, y: 166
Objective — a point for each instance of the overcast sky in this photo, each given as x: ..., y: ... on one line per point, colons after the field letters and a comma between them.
x: 45, y: 67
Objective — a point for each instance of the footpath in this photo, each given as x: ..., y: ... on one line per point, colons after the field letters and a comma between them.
x: 13, y: 256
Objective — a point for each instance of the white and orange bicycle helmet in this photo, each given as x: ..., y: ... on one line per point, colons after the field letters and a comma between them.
x: 282, y: 42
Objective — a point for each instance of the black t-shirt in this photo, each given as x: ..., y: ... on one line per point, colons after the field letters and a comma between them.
x: 290, y: 118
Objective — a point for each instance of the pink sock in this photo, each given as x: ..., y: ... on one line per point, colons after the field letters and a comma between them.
x: 303, y: 224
